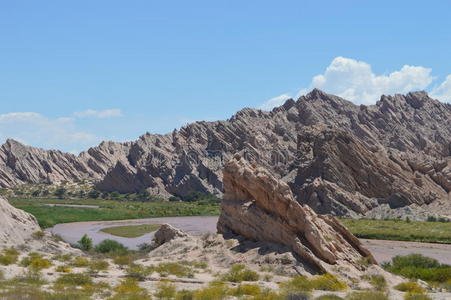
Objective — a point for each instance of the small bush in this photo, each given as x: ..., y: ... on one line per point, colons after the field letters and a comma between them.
x: 179, y: 270
x: 328, y: 282
x: 98, y: 265
x: 239, y: 273
x: 414, y: 296
x: 63, y: 269
x: 411, y: 287
x: 85, y: 243
x: 9, y: 257
x: 295, y: 285
x: 185, y: 295
x: 129, y: 289
x: 416, y: 266
x: 111, y: 247
x: 38, y: 264
x: 378, y: 281
x: 165, y: 290
x: 214, y: 291
x: 76, y: 279
x: 367, y: 295
x: 123, y: 260
x: 138, y: 271
x: 329, y: 297
x: 30, y: 277
x: 80, y: 262
x: 246, y: 289
x: 63, y: 258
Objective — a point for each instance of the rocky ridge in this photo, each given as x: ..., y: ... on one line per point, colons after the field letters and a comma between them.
x: 261, y: 208
x: 396, y: 152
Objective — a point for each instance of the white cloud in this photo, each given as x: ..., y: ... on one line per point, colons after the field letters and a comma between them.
x: 443, y: 91
x: 273, y: 102
x: 100, y: 114
x: 355, y: 81
x: 35, y: 129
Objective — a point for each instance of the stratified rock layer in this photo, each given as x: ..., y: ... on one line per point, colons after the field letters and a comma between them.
x: 260, y: 207
x: 402, y: 146
x: 16, y: 226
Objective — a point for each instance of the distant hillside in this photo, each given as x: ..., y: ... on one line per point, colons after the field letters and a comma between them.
x: 337, y: 157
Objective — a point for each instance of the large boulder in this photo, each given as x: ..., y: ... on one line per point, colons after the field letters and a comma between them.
x: 167, y: 233
x: 16, y: 226
x: 260, y: 207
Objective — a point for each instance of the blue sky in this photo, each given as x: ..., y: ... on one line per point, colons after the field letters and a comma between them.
x: 75, y: 72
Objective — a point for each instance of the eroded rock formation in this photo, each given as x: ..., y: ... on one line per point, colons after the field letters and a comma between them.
x: 16, y: 226
x: 167, y: 233
x: 260, y: 207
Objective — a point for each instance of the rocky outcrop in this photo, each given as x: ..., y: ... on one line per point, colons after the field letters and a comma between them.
x: 339, y: 173
x: 167, y: 233
x: 16, y: 226
x: 260, y: 207
x: 404, y: 138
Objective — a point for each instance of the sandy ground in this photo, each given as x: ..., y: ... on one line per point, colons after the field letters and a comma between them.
x: 381, y: 249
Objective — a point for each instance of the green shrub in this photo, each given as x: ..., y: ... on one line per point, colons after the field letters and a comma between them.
x: 414, y: 296
x: 246, y: 289
x: 378, y: 281
x: 165, y: 290
x: 295, y: 285
x: 185, y: 295
x: 239, y: 273
x: 179, y: 270
x: 416, y: 266
x: 76, y: 279
x: 129, y: 289
x: 9, y: 257
x: 328, y: 282
x: 214, y: 291
x: 138, y: 271
x: 63, y: 269
x: 329, y: 297
x: 81, y: 262
x: 38, y: 264
x: 85, y: 243
x: 98, y: 265
x: 411, y: 287
x: 30, y: 277
x: 367, y: 295
x: 111, y: 247
x: 123, y: 260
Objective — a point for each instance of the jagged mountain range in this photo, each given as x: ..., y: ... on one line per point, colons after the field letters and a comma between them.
x: 337, y: 157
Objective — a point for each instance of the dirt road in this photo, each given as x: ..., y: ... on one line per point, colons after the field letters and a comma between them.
x: 381, y: 249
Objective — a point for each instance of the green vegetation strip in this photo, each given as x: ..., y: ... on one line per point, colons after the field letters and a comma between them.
x: 131, y: 231
x: 110, y: 210
x: 399, y: 230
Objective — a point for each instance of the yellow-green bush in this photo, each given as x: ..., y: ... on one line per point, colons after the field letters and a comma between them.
x: 179, y: 270
x: 63, y: 269
x: 138, y: 271
x: 38, y: 264
x: 9, y: 257
x: 123, y: 260
x: 411, y: 287
x: 329, y: 297
x: 98, y: 265
x: 328, y: 282
x: 239, y: 273
x: 367, y: 295
x: 296, y: 284
x: 165, y: 290
x: 129, y: 289
x: 214, y: 291
x: 81, y: 262
x: 246, y: 289
x: 416, y: 296
x: 76, y: 279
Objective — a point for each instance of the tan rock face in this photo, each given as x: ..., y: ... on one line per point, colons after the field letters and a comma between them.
x: 167, y: 233
x: 16, y: 226
x: 260, y: 207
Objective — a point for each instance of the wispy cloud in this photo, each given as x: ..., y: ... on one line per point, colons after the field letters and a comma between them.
x: 99, y: 114
x: 355, y: 81
x: 35, y: 129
